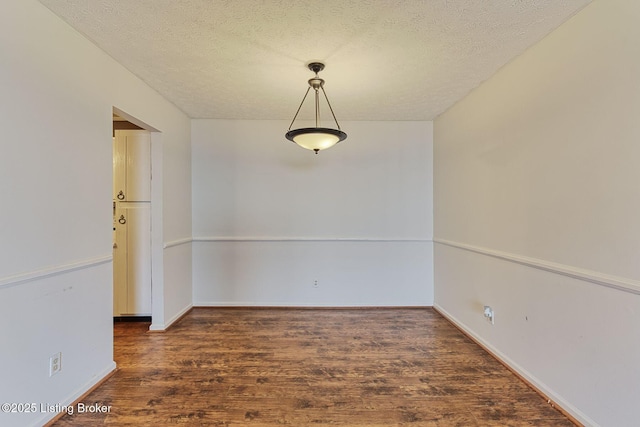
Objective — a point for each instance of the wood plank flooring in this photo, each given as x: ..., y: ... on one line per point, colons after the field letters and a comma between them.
x: 308, y: 367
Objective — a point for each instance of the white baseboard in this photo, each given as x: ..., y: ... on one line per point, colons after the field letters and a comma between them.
x: 164, y: 326
x: 298, y: 305
x: 526, y: 375
x: 46, y: 417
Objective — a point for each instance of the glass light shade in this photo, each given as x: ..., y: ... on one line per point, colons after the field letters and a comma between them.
x: 316, y: 139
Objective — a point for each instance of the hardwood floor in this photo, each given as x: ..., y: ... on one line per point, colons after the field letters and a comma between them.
x: 273, y: 367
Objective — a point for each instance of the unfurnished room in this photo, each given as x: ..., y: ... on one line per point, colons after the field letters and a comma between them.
x: 339, y: 213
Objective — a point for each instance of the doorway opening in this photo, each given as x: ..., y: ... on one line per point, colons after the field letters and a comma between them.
x: 131, y: 221
x: 134, y: 237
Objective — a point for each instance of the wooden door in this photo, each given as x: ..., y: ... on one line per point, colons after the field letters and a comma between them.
x: 132, y: 223
x: 132, y: 166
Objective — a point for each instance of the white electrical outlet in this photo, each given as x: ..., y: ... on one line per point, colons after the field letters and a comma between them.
x: 55, y: 364
x: 488, y: 314
x: 315, y: 283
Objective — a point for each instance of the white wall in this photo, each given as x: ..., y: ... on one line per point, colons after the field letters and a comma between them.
x: 270, y: 218
x: 536, y: 185
x: 58, y: 91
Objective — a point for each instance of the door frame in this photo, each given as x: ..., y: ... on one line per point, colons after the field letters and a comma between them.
x: 157, y: 242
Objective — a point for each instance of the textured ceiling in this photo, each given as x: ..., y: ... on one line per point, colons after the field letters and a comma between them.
x: 246, y: 59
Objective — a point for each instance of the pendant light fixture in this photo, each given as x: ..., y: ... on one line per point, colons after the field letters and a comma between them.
x: 316, y: 138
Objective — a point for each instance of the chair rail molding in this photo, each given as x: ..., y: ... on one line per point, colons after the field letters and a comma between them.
x: 306, y: 239
x: 615, y: 282
x: 56, y: 270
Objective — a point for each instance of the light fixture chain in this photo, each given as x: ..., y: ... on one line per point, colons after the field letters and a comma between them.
x: 305, y: 97
x: 317, y: 108
x: 330, y: 108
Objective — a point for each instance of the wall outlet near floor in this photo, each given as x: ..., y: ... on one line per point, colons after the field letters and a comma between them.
x: 315, y: 283
x: 55, y: 364
x: 488, y: 314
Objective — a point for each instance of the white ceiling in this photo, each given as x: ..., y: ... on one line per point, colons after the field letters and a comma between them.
x: 246, y: 59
